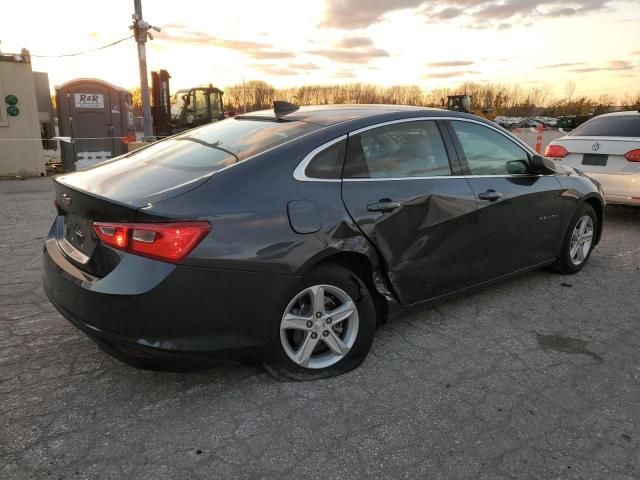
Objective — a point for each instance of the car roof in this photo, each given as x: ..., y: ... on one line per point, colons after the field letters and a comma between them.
x: 618, y: 114
x: 327, y: 115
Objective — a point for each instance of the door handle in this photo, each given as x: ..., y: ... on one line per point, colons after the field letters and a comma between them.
x: 490, y: 195
x: 383, y: 205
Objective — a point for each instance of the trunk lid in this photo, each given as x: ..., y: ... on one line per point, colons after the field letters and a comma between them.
x: 600, y: 154
x: 135, y: 182
x: 74, y: 232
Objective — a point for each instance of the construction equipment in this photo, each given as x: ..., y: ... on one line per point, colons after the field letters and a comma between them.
x: 196, y: 106
x: 186, y: 108
x: 462, y: 103
x: 459, y: 103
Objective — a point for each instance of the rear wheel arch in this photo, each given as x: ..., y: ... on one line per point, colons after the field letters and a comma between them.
x: 364, y: 268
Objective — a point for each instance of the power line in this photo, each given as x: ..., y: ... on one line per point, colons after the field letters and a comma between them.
x: 85, y: 51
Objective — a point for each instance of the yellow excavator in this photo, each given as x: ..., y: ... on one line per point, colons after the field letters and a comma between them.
x: 462, y: 103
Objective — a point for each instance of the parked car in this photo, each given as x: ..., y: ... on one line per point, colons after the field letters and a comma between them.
x: 290, y: 236
x: 606, y: 148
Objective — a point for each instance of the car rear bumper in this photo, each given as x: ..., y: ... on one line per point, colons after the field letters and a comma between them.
x: 622, y: 200
x: 151, y: 308
x: 619, y: 187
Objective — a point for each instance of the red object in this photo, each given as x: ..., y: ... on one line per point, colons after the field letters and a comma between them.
x: 539, y: 138
x: 555, y: 151
x: 633, y: 156
x: 170, y: 242
x: 128, y: 139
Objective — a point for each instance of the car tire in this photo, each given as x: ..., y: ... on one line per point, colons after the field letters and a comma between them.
x: 570, y: 262
x: 339, y: 287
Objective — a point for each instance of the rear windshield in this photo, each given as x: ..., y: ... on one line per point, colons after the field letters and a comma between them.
x: 219, y: 145
x: 613, y: 126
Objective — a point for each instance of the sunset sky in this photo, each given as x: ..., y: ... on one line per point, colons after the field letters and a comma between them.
x: 439, y: 43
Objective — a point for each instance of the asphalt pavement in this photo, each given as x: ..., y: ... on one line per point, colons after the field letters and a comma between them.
x: 535, y: 378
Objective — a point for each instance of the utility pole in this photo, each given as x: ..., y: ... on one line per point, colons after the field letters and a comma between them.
x: 140, y: 29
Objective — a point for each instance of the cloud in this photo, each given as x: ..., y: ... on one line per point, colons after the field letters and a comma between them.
x: 613, y: 65
x: 276, y: 70
x: 351, y: 56
x: 562, y: 65
x: 586, y: 70
x: 348, y: 14
x: 495, y: 11
x: 355, y: 42
x: 269, y: 54
x: 447, y: 13
x: 358, y: 50
x: 620, y: 65
x: 193, y: 37
x: 502, y: 15
x: 449, y: 74
x: 304, y: 66
x: 451, y: 63
x: 177, y: 33
x: 561, y: 11
x: 537, y: 8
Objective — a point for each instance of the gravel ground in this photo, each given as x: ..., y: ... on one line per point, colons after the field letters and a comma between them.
x: 537, y: 377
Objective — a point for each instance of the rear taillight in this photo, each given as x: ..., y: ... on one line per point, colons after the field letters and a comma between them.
x: 633, y: 156
x: 555, y: 151
x: 170, y: 242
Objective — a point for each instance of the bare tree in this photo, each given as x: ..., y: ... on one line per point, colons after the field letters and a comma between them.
x: 504, y: 99
x: 569, y: 89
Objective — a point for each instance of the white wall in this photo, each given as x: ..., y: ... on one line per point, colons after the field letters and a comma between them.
x: 19, y: 156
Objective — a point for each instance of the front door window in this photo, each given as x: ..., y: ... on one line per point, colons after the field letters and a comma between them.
x: 488, y: 152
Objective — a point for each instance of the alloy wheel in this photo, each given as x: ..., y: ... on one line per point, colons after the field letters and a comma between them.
x: 581, y: 240
x: 319, y: 326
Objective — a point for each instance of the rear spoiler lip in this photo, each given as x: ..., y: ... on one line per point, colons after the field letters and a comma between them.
x: 59, y: 180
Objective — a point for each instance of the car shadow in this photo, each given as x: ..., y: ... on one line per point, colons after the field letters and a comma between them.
x: 620, y: 212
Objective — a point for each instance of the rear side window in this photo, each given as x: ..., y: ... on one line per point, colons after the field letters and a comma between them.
x: 327, y: 164
x: 218, y: 145
x: 488, y: 152
x: 612, y: 126
x: 409, y: 149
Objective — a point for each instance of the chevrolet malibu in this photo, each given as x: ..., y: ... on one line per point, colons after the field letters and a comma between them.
x: 288, y: 236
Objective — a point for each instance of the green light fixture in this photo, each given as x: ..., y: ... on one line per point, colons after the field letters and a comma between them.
x: 11, y: 100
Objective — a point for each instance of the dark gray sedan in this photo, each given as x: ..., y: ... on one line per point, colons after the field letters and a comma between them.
x: 288, y: 236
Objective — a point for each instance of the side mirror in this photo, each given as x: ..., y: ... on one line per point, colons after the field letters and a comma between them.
x: 517, y: 167
x: 542, y: 165
x: 185, y: 99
